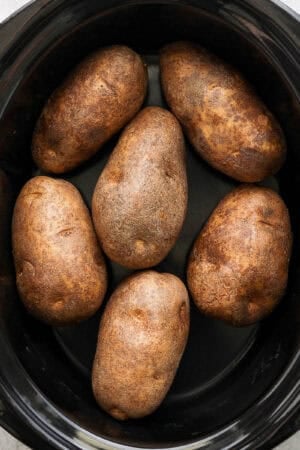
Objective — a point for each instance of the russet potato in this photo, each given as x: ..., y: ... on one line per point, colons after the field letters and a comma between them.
x: 60, y: 270
x: 140, y: 200
x: 142, y: 336
x: 222, y: 116
x: 95, y: 101
x: 238, y: 267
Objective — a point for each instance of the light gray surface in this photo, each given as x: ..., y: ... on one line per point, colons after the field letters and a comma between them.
x: 8, y: 7
x: 7, y: 442
x: 291, y: 444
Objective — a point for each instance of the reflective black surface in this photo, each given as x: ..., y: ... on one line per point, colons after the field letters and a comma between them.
x: 235, y: 387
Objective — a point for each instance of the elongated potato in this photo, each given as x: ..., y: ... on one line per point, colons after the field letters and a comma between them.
x: 222, y: 116
x: 238, y: 268
x: 96, y: 100
x: 61, y: 274
x: 142, y: 336
x: 140, y: 200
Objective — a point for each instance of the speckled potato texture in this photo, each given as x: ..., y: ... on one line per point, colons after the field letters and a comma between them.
x: 61, y: 274
x: 96, y: 100
x: 238, y: 267
x: 140, y: 200
x: 222, y: 116
x: 142, y: 336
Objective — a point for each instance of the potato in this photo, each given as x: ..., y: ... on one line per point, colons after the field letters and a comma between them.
x: 222, y: 116
x: 61, y: 274
x: 96, y: 100
x: 142, y: 336
x: 238, y: 268
x: 140, y: 200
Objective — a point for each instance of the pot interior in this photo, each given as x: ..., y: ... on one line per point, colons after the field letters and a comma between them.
x: 225, y: 370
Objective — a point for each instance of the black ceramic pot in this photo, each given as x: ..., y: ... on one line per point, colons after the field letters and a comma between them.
x: 236, y: 388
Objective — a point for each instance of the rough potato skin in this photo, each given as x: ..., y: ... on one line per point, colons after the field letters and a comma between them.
x: 238, y: 267
x: 96, y: 100
x: 140, y: 199
x: 61, y: 274
x: 142, y: 336
x: 222, y: 116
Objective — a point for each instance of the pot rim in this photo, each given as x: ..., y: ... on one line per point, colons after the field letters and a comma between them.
x: 256, y: 425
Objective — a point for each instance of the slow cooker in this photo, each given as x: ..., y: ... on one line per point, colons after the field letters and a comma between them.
x: 236, y: 388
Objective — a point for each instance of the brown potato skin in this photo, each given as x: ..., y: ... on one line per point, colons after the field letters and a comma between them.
x: 142, y: 336
x: 238, y: 267
x: 96, y: 100
x: 140, y: 199
x: 60, y: 270
x: 222, y: 116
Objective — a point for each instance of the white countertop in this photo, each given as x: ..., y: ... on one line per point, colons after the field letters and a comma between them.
x: 7, y: 442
